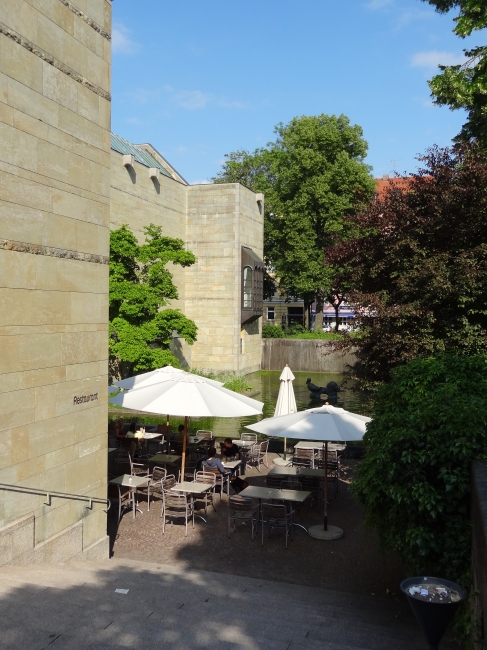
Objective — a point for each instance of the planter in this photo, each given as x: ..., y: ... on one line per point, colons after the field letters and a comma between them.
x: 433, y: 615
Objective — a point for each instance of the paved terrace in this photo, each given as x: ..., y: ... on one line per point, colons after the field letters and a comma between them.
x: 210, y: 592
x: 354, y: 563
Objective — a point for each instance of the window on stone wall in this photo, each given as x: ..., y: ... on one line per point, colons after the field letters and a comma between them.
x: 247, y: 287
x: 271, y: 313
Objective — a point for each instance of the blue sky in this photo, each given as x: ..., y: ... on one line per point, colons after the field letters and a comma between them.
x: 200, y: 79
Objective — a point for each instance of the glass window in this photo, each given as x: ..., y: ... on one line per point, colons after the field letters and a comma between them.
x: 247, y: 287
x: 271, y: 314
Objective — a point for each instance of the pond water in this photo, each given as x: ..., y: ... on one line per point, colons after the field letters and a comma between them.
x: 267, y: 383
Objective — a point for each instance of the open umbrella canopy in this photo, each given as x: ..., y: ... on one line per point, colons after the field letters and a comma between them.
x: 155, y: 377
x: 188, y: 395
x: 286, y: 401
x: 325, y: 424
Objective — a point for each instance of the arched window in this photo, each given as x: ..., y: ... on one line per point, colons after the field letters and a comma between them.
x: 247, y: 287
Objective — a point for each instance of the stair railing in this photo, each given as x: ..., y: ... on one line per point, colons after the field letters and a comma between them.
x: 49, y: 494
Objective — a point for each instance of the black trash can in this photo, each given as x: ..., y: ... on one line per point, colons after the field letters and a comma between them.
x: 433, y: 612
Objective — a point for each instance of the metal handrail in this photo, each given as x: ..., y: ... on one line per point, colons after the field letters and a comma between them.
x: 58, y: 495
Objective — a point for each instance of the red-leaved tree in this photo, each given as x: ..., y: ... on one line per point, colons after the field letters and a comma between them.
x: 417, y: 265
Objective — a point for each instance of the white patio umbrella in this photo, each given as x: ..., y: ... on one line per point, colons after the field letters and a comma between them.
x: 325, y: 424
x: 189, y: 396
x: 286, y: 400
x: 157, y: 376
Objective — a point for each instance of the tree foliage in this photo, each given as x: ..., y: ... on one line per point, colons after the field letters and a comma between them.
x: 418, y: 265
x: 465, y: 86
x: 140, y: 284
x: 415, y: 478
x: 312, y: 175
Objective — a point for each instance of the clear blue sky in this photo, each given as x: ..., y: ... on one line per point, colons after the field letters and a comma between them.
x: 200, y: 79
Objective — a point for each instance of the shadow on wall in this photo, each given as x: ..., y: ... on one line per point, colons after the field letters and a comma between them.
x: 182, y: 351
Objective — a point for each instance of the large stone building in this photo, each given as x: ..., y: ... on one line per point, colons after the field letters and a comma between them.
x: 59, y: 175
x: 223, y: 226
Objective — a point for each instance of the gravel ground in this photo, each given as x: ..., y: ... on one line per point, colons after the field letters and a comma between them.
x: 354, y: 563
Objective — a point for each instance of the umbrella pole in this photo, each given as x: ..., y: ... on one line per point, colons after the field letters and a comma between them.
x: 285, y: 445
x: 325, y: 488
x: 183, y: 456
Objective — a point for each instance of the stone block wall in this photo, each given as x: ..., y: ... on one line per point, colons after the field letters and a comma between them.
x: 214, y: 221
x: 54, y: 246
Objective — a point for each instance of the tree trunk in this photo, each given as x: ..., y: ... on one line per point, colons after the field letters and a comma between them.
x: 337, y: 323
x: 319, y: 314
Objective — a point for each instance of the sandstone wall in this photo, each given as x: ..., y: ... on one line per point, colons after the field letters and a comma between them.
x: 54, y: 245
x: 221, y: 219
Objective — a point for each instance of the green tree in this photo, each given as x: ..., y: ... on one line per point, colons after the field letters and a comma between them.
x: 313, y: 175
x: 140, y: 284
x: 465, y: 86
x: 429, y: 425
x: 417, y: 265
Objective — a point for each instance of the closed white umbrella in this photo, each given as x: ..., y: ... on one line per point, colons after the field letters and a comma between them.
x: 191, y: 396
x: 325, y: 424
x: 286, y: 400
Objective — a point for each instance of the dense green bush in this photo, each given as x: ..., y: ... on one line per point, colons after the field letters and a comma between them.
x: 430, y: 422
x: 272, y: 332
x: 295, y: 329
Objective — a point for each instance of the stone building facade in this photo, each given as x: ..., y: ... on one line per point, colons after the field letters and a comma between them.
x: 215, y: 222
x: 54, y: 244
x: 64, y: 182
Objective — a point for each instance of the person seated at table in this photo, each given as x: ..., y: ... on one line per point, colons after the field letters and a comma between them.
x: 179, y: 437
x: 229, y: 449
x: 213, y: 462
x: 118, y: 432
x: 132, y: 428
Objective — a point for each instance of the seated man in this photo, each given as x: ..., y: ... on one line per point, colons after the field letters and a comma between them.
x: 229, y: 450
x: 214, y: 463
x: 179, y: 437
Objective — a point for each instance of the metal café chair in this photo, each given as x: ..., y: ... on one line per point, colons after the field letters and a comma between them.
x: 209, y: 479
x: 177, y: 506
x: 155, y: 484
x: 223, y: 480
x: 276, y: 516
x: 293, y: 484
x: 243, y: 509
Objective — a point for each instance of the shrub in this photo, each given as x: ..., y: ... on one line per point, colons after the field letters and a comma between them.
x: 272, y: 332
x: 295, y: 329
x: 429, y: 424
x: 230, y: 380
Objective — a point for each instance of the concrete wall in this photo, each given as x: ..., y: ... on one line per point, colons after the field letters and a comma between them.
x: 54, y: 245
x: 304, y: 355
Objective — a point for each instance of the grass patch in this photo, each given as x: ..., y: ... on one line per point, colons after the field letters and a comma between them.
x: 232, y: 381
x: 326, y: 336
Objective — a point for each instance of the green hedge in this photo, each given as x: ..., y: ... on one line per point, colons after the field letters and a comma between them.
x: 429, y: 424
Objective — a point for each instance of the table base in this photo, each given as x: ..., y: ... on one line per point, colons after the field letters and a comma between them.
x: 332, y: 532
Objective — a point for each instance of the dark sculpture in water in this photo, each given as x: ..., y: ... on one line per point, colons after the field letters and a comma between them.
x: 331, y: 389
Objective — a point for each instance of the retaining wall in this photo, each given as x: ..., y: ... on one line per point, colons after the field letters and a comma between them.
x: 304, y: 355
x: 479, y: 553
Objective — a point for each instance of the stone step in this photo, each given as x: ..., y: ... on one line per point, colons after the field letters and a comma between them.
x: 75, y: 606
x: 185, y: 594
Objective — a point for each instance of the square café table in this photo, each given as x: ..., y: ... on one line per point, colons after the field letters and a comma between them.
x: 295, y: 471
x: 133, y: 482
x: 165, y: 459
x: 256, y: 492
x: 295, y: 496
x: 192, y: 488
